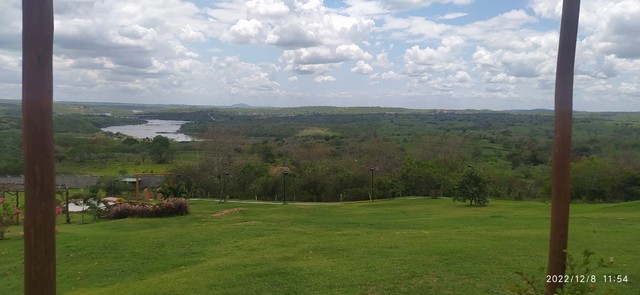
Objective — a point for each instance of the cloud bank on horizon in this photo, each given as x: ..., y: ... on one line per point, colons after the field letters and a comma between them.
x: 456, y: 54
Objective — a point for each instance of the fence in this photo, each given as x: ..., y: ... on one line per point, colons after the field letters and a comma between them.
x: 70, y: 181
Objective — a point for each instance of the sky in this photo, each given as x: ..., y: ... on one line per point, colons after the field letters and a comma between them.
x: 425, y: 54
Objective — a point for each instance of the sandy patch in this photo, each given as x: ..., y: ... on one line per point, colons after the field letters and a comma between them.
x: 14, y: 234
x: 228, y: 211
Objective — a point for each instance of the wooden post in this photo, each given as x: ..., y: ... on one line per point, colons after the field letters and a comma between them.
x: 39, y: 170
x: 561, y: 181
x: 17, y: 207
x: 66, y: 197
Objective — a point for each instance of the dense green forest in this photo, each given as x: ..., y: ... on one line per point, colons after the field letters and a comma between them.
x: 329, y: 152
x: 333, y: 154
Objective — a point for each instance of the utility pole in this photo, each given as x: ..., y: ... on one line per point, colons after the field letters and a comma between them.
x: 37, y: 130
x: 561, y: 181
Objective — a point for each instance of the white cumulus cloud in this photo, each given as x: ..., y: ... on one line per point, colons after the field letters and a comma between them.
x: 324, y: 78
x: 362, y: 68
x: 247, y: 31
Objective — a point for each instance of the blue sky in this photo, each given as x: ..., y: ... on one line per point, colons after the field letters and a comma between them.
x: 430, y: 54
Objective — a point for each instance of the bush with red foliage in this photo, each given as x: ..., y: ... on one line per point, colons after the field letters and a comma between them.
x: 168, y: 207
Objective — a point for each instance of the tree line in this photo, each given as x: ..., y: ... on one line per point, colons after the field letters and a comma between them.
x: 330, y: 156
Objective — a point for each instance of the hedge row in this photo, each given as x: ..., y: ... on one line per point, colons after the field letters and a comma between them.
x: 168, y: 207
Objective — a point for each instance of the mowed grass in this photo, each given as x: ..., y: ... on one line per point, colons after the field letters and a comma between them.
x: 405, y: 246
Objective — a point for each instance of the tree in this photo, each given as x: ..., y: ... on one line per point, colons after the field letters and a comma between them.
x: 266, y: 151
x: 315, y: 182
x: 387, y: 187
x: 172, y: 189
x: 420, y: 177
x: 473, y: 187
x: 160, y: 150
x: 247, y: 179
x: 192, y: 178
x: 592, y: 179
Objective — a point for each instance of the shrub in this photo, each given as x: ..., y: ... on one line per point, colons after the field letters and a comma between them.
x: 168, y: 207
x: 584, y: 272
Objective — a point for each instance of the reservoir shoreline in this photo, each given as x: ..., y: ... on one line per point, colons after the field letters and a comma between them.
x: 151, y: 129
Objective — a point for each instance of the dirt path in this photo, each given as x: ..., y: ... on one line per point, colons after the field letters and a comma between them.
x: 228, y: 211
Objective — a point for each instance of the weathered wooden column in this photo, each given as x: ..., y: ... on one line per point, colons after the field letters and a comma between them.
x: 39, y: 171
x: 561, y: 181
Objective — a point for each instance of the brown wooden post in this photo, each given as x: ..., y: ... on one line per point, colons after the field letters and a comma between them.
x: 39, y: 170
x: 561, y: 181
x: 17, y: 207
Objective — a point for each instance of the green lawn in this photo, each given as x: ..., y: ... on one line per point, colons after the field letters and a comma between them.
x: 407, y: 246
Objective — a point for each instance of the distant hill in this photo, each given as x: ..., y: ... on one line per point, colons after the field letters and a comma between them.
x: 12, y: 107
x: 240, y: 106
x: 534, y: 111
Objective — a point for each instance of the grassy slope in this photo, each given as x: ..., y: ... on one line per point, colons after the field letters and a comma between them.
x: 112, y: 168
x: 418, y: 246
x: 131, y: 164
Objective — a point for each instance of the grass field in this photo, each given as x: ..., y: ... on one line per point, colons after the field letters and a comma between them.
x: 405, y: 246
x: 133, y: 166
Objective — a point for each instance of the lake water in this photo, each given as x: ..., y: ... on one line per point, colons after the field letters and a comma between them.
x: 166, y: 128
